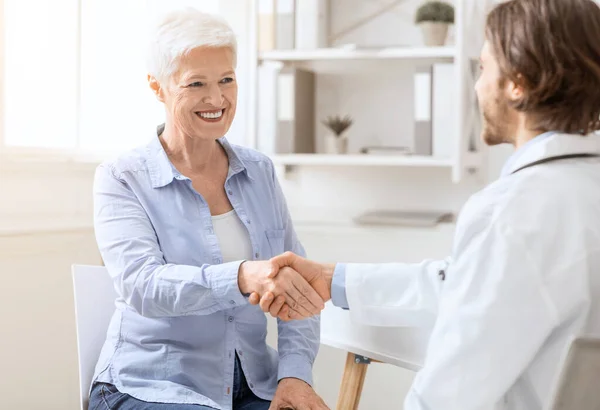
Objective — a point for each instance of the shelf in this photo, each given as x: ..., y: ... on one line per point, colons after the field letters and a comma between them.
x: 333, y: 54
x: 360, y: 160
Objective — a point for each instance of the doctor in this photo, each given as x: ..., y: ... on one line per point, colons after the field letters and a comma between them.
x: 524, y: 275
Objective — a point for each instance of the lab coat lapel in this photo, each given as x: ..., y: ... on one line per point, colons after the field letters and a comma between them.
x: 556, y: 146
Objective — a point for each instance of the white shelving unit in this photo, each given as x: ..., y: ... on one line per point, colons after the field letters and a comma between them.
x: 330, y: 60
x: 345, y: 54
x: 467, y: 156
x: 360, y: 160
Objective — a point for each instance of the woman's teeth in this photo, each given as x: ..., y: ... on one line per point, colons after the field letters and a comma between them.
x: 211, y: 115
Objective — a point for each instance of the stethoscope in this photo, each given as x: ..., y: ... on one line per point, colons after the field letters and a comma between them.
x: 557, y: 158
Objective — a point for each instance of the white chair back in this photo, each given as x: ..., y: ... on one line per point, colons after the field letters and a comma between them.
x: 577, y: 387
x: 94, y: 307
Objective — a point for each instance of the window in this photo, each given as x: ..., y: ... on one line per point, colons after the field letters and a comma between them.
x: 74, y: 74
x: 40, y: 73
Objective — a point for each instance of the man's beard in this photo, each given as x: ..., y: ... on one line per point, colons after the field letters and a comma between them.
x: 496, y: 122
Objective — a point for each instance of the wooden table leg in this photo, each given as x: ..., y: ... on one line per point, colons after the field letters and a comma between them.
x: 352, y: 382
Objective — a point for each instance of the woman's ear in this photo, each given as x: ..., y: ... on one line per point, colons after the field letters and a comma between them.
x: 156, y: 88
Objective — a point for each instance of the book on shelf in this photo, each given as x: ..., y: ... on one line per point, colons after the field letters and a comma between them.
x: 404, y: 218
x: 383, y: 150
x: 311, y: 29
x: 266, y: 25
x: 422, y: 110
x: 444, y: 115
x: 285, y: 24
x: 295, y: 111
x: 435, y: 117
x: 292, y: 24
x: 276, y: 25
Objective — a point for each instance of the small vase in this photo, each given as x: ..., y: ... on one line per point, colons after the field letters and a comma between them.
x: 434, y: 33
x: 336, y: 144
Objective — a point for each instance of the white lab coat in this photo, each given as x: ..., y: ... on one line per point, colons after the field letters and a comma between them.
x: 524, y: 277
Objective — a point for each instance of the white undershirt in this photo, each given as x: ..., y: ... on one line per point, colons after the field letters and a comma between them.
x: 233, y: 237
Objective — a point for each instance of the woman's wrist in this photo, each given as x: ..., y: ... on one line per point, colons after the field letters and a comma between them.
x: 244, y: 283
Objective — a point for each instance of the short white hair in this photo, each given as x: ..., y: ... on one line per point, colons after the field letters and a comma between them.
x: 177, y: 33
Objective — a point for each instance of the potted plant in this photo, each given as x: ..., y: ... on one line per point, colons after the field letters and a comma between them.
x: 337, y: 141
x: 435, y: 17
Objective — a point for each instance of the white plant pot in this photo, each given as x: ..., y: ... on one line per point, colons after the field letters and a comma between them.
x: 336, y: 144
x: 434, y: 34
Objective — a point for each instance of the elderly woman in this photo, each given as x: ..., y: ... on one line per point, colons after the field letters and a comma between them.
x: 182, y: 225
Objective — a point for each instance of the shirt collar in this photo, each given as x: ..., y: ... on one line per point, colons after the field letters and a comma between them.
x: 548, y: 145
x: 162, y: 171
x: 509, y: 165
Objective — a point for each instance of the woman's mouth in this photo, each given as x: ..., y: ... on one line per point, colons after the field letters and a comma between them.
x: 211, y: 116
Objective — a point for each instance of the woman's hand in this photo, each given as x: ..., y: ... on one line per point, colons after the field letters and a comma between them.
x: 268, y: 277
x: 318, y: 275
x: 294, y: 394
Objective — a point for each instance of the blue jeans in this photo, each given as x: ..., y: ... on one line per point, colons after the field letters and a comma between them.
x: 107, y: 397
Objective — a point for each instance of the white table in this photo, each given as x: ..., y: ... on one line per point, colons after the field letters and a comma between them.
x: 403, y: 347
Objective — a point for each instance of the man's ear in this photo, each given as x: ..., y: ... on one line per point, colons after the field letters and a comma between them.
x: 156, y: 88
x: 514, y: 91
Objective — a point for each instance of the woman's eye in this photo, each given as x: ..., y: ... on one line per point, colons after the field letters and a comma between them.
x: 227, y: 80
x: 196, y: 84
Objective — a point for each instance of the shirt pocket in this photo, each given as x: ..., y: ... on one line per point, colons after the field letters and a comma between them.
x: 276, y: 240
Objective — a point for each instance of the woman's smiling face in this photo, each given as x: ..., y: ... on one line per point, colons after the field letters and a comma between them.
x: 201, y: 96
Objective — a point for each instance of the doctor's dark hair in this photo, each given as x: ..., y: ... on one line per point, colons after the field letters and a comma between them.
x: 551, y: 48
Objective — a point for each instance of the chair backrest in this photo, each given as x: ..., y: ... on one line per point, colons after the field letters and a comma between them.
x: 578, y: 383
x: 94, y: 306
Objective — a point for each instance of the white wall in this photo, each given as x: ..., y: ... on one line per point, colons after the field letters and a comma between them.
x: 37, y: 347
x: 45, y: 214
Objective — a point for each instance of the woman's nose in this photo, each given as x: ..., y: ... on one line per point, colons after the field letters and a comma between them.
x: 214, y: 96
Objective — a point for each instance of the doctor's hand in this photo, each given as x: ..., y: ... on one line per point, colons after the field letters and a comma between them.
x: 269, y: 277
x: 318, y: 275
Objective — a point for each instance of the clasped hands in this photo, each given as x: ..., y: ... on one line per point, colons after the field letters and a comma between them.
x: 287, y: 286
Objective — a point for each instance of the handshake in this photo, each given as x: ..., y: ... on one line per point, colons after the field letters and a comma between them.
x: 288, y: 286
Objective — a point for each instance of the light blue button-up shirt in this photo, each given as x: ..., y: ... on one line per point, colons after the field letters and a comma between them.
x: 180, y: 315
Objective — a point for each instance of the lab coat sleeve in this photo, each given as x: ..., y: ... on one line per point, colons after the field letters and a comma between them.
x: 132, y: 255
x: 338, y: 287
x: 494, y: 316
x: 395, y: 294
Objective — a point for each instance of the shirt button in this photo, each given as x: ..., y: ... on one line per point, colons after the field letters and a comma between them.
x: 256, y: 255
x: 230, y: 192
x: 251, y: 385
x: 232, y: 302
x: 230, y: 318
x: 249, y: 221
